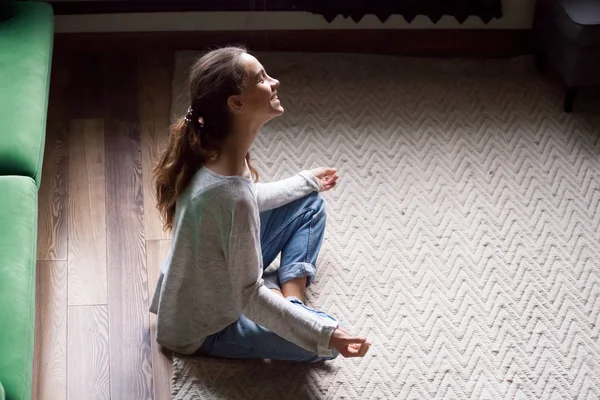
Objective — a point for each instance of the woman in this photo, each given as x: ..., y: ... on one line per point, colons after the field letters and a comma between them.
x: 211, y: 295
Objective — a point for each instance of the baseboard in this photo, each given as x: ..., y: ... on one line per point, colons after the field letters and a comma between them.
x: 128, y: 6
x: 481, y: 43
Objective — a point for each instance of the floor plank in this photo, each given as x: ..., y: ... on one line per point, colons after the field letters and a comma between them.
x: 131, y: 374
x: 121, y: 87
x: 87, y: 94
x: 50, y: 353
x: 87, y: 213
x: 155, y: 81
x: 162, y: 364
x: 52, y: 204
x: 88, y: 352
x: 130, y: 352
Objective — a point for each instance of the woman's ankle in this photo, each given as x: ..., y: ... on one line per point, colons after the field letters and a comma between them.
x: 295, y: 287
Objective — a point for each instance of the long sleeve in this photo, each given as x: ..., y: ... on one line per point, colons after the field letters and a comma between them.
x: 261, y: 305
x: 276, y: 194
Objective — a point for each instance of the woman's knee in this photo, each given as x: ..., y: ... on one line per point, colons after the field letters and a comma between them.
x: 312, y: 204
x: 316, y: 202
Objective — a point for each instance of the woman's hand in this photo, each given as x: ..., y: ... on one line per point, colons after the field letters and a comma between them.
x: 348, y: 345
x: 327, y: 177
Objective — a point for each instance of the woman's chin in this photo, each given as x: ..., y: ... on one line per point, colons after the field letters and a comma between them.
x: 274, y: 113
x: 276, y: 105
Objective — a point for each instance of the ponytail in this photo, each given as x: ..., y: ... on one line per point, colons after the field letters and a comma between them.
x: 178, y: 163
x: 184, y: 156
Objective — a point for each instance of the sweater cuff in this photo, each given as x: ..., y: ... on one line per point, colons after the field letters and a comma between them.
x: 311, y: 179
x: 323, y: 349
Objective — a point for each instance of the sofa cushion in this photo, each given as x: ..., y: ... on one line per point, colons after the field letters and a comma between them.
x: 579, y: 20
x: 26, y: 41
x: 18, y: 243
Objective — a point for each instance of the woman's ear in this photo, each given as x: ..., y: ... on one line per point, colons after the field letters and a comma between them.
x: 235, y: 103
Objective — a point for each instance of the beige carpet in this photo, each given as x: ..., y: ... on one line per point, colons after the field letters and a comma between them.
x: 463, y: 239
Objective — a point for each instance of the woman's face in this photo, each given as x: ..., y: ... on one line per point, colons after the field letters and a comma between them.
x: 259, y: 98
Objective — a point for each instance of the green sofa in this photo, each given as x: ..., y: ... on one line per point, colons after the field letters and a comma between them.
x: 26, y: 42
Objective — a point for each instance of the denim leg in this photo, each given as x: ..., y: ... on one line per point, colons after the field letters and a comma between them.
x: 245, y: 339
x: 296, y: 230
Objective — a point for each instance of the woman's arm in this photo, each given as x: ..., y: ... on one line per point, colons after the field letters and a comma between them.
x: 254, y: 300
x: 276, y: 194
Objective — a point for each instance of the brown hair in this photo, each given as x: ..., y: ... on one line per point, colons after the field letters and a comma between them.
x: 199, y: 136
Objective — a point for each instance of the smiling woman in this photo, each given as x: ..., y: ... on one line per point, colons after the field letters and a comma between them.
x: 212, y: 294
x: 260, y: 95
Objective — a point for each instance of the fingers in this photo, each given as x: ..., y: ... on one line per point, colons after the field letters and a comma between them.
x: 352, y: 347
x: 356, y: 349
x: 350, y: 352
x: 355, y: 346
x: 364, y: 349
x: 329, y: 182
x: 327, y: 171
x: 349, y: 345
x: 328, y: 187
x: 323, y: 172
x: 352, y: 340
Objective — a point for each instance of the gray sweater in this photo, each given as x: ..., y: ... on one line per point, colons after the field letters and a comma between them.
x: 213, y: 272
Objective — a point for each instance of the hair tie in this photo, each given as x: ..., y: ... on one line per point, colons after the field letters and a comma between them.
x: 190, y: 115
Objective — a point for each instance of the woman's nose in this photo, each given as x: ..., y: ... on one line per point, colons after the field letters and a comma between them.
x: 275, y: 83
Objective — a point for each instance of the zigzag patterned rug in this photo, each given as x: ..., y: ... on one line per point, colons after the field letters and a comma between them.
x: 463, y: 239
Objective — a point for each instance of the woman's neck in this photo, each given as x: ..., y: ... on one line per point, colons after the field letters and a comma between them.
x: 232, y: 158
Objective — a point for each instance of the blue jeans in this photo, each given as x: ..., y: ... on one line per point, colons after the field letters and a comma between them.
x: 296, y: 230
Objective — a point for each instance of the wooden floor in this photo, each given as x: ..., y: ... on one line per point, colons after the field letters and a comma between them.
x: 100, y: 242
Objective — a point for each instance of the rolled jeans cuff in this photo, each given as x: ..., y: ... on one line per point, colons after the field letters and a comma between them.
x: 297, y: 270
